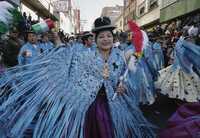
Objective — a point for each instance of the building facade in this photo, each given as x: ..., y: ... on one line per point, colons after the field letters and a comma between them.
x: 63, y: 12
x: 69, y: 16
x: 147, y: 12
x: 129, y: 12
x: 77, y: 21
x: 171, y: 9
x: 112, y: 12
x: 38, y: 9
x: 119, y: 23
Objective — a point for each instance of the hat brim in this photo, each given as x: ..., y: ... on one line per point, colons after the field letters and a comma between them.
x: 87, y: 35
x: 102, y: 28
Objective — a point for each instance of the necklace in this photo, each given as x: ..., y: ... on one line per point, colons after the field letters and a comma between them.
x: 106, y: 70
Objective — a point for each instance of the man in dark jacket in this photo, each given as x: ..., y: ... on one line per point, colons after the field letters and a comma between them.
x: 12, y: 48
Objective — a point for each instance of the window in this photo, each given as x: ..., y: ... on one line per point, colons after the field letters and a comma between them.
x: 153, y: 4
x: 141, y: 9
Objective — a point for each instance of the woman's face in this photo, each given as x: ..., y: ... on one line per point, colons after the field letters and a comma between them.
x: 105, y: 40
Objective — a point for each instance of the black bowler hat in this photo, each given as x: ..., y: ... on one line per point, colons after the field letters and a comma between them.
x: 101, y: 24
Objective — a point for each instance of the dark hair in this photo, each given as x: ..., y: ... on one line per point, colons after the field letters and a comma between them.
x: 27, y: 33
x: 85, y: 36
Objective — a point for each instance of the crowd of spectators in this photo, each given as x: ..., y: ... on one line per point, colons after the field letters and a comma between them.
x: 168, y: 33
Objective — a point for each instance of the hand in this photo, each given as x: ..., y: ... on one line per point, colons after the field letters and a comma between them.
x: 120, y: 89
x: 26, y: 54
x: 132, y: 63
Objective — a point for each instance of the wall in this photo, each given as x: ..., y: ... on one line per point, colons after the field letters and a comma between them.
x: 129, y: 13
x: 119, y: 23
x: 149, y: 17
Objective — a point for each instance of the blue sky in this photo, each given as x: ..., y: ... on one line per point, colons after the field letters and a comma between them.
x: 91, y: 9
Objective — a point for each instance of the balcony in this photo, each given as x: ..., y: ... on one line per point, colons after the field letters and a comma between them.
x: 41, y: 7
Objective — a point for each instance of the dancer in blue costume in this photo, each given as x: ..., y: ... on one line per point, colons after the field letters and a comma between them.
x: 181, y: 80
x: 154, y: 58
x: 72, y: 95
x: 145, y: 71
x: 29, y: 51
x: 45, y: 46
